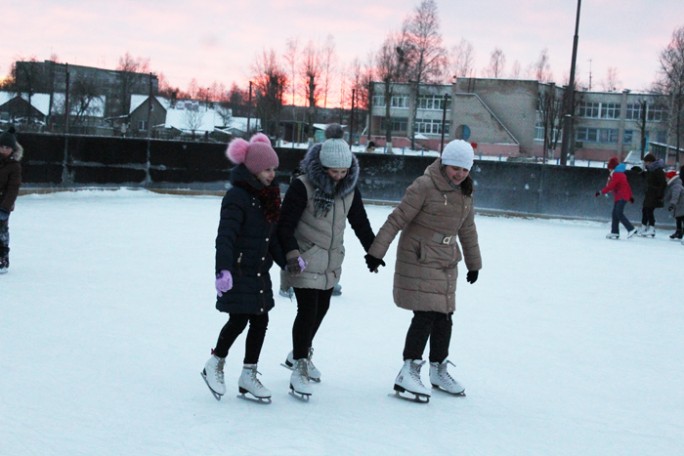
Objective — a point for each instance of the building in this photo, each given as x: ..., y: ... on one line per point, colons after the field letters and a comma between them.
x: 511, y: 118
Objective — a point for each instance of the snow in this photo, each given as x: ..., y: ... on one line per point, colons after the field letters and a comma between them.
x: 568, y: 343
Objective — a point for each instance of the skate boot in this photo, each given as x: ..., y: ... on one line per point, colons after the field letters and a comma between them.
x: 249, y: 383
x: 4, y: 264
x: 650, y: 232
x: 641, y: 232
x: 337, y: 290
x: 299, y: 380
x: 313, y: 372
x: 440, y: 378
x: 408, y: 381
x: 286, y: 293
x: 612, y: 236
x: 213, y: 376
x: 631, y: 233
x: 676, y: 235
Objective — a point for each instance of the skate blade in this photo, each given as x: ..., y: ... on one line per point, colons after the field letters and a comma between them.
x: 249, y: 397
x: 317, y: 380
x: 216, y: 395
x: 402, y: 393
x: 304, y: 397
x: 437, y: 388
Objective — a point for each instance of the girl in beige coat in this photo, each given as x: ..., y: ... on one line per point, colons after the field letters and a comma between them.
x: 436, y: 211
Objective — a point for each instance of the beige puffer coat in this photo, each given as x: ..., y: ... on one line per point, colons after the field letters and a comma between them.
x: 431, y: 216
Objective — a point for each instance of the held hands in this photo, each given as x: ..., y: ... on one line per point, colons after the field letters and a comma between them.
x: 224, y: 282
x: 296, y: 265
x: 373, y: 263
x: 471, y: 277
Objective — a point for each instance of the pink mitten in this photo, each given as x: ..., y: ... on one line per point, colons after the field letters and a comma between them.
x: 224, y: 282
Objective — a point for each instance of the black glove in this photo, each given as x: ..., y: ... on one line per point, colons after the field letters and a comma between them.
x: 471, y: 277
x: 631, y: 199
x: 373, y: 263
x: 597, y: 194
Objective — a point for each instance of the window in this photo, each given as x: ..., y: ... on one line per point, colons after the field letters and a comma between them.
x: 656, y: 113
x: 400, y: 101
x: 430, y: 126
x: 399, y: 124
x: 628, y: 137
x: 633, y: 111
x: 142, y: 125
x: 597, y: 135
x: 431, y: 102
x: 590, y: 110
x: 378, y: 100
x: 610, y: 111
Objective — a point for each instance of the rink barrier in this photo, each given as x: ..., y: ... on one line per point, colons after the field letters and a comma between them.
x: 54, y: 163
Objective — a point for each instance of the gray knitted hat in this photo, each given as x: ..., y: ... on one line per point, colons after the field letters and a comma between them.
x: 458, y: 153
x: 335, y: 152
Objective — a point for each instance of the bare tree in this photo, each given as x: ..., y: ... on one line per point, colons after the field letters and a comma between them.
x: 84, y: 95
x: 311, y: 71
x: 671, y: 83
x: 462, y: 57
x: 327, y: 67
x: 515, y: 70
x: 128, y: 66
x: 611, y: 83
x: 541, y: 69
x: 497, y: 64
x: 550, y: 105
x: 270, y: 80
x: 425, y: 54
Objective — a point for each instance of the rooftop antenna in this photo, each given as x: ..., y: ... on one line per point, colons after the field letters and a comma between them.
x: 590, y: 74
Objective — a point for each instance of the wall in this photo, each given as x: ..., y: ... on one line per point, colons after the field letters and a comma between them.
x: 57, y: 162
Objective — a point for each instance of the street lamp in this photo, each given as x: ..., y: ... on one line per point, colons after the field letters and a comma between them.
x: 570, y: 108
x: 444, y: 108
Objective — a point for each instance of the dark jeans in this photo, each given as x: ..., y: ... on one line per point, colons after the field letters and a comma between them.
x: 312, y: 305
x: 648, y: 216
x: 433, y: 325
x: 255, y: 335
x: 680, y: 223
x: 619, y: 217
x: 4, y: 238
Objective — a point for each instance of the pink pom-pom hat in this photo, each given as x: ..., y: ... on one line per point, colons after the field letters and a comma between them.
x: 257, y: 154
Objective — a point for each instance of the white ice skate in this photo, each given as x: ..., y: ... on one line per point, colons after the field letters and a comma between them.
x: 249, y: 383
x: 313, y: 372
x: 299, y: 380
x: 213, y: 376
x: 440, y: 378
x: 612, y: 236
x: 408, y: 381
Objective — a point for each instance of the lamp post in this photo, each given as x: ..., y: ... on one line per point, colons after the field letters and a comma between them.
x: 570, y: 107
x: 249, y: 107
x: 444, y: 108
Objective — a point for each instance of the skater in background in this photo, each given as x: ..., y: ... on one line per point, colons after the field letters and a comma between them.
x: 622, y: 193
x: 674, y: 198
x: 246, y: 246
x: 10, y: 181
x: 654, y: 196
x: 315, y: 210
x: 435, y: 212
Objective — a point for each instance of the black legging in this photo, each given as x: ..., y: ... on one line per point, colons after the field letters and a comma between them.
x: 255, y: 335
x: 648, y: 216
x: 312, y: 305
x: 433, y: 325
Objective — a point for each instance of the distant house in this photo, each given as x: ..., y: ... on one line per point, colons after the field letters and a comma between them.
x: 15, y: 109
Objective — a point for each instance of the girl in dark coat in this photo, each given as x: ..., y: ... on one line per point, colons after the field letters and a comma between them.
x: 246, y: 246
x: 656, y: 183
x: 10, y: 181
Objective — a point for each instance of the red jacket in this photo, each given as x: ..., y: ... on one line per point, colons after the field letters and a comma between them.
x: 619, y: 186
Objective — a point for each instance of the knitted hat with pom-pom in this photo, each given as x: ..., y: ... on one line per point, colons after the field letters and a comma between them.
x: 257, y: 154
x: 335, y: 152
x: 612, y: 163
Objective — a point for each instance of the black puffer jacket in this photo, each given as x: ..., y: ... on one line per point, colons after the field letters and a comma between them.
x: 246, y: 245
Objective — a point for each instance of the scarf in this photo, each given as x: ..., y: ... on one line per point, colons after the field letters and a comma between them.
x: 269, y: 197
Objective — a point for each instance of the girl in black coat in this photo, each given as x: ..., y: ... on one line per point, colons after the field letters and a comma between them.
x: 656, y: 183
x: 246, y: 246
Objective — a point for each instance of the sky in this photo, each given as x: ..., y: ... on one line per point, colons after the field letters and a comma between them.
x: 568, y: 344
x: 219, y: 41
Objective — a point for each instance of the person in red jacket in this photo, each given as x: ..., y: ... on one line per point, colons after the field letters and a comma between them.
x: 622, y: 193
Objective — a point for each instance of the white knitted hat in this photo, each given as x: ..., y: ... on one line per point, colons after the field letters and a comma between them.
x: 458, y: 153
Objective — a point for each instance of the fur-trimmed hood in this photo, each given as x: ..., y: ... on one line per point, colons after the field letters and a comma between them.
x: 312, y: 168
x: 16, y: 155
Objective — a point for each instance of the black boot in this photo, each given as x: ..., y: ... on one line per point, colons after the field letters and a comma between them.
x: 676, y: 235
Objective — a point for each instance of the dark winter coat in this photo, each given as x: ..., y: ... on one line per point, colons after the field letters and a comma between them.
x: 674, y: 196
x: 656, y: 183
x: 246, y: 245
x: 10, y: 179
x: 431, y: 216
x: 319, y: 237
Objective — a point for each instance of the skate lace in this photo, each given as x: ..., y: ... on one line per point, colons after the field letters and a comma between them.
x: 302, y: 368
x: 414, y: 372
x: 219, y: 370
x: 253, y: 377
x: 444, y: 373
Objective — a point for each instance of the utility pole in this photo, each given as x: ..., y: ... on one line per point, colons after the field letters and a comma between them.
x: 568, y: 119
x: 249, y: 107
x: 444, y: 109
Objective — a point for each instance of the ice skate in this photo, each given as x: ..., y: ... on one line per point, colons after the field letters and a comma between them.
x: 440, y: 379
x: 650, y: 232
x: 408, y: 381
x: 337, y: 290
x: 288, y: 293
x: 213, y: 376
x: 313, y: 372
x: 249, y: 383
x: 631, y: 233
x: 299, y: 380
x: 676, y: 235
x: 4, y: 264
x: 613, y: 236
